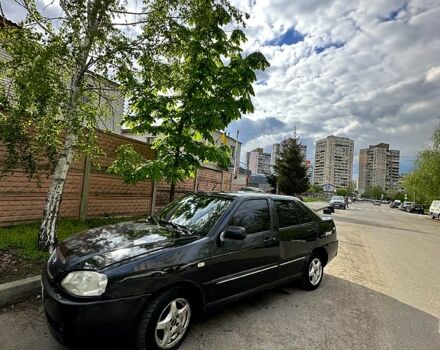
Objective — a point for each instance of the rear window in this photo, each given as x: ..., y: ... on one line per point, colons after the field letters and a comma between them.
x: 253, y: 215
x: 286, y: 213
x: 305, y: 213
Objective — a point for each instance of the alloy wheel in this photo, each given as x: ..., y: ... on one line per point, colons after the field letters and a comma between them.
x: 173, y: 323
x: 315, y: 271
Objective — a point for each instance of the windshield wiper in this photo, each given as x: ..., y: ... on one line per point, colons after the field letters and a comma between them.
x: 177, y: 227
x: 151, y: 218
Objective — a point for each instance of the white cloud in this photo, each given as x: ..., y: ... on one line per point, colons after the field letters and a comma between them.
x: 365, y: 69
x: 433, y: 75
x: 381, y: 85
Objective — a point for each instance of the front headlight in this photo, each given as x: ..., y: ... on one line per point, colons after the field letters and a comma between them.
x: 85, y: 283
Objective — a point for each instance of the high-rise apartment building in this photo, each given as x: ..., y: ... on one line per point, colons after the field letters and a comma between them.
x: 258, y: 162
x: 275, y: 153
x: 334, y: 161
x: 378, y: 166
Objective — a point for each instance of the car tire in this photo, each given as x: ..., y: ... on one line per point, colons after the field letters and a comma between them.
x: 168, y: 305
x: 315, y: 263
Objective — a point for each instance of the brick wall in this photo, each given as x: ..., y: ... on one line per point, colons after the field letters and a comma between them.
x: 22, y: 200
x: 208, y: 180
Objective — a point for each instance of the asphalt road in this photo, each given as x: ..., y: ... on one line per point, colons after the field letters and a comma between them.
x: 381, y: 292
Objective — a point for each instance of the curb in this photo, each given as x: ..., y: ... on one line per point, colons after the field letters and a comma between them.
x: 319, y: 209
x: 15, y: 291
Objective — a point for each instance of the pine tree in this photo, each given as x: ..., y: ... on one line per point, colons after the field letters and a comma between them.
x: 290, y: 171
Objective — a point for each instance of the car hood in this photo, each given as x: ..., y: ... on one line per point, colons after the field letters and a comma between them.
x: 100, y: 247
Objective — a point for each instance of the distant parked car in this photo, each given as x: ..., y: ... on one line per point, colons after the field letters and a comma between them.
x: 395, y: 204
x: 376, y: 202
x: 434, y: 210
x: 338, y: 202
x: 415, y: 208
x: 405, y: 205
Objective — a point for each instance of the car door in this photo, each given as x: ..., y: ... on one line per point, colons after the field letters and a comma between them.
x: 297, y: 233
x: 237, y: 266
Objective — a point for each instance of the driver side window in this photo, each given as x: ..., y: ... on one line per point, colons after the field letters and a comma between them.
x: 253, y: 215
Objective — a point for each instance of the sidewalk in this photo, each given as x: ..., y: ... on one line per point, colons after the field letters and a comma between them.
x: 316, y: 206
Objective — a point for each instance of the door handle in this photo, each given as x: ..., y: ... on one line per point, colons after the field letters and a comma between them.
x: 268, y: 240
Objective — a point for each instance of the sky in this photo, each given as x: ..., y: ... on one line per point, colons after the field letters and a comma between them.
x: 366, y: 69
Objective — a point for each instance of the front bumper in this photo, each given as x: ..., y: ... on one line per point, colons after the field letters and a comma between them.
x: 338, y: 205
x: 332, y: 250
x: 75, y: 322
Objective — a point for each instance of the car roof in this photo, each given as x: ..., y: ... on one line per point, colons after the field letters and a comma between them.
x: 249, y: 194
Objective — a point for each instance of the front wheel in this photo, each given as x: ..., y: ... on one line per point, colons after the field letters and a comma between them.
x: 165, y: 322
x: 313, y: 274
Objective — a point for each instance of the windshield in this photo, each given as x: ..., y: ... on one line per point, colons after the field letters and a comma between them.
x: 197, y: 213
x: 337, y: 198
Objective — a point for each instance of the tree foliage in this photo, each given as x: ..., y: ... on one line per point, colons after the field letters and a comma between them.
x: 51, y: 92
x: 290, y: 171
x: 424, y: 180
x: 342, y: 191
x: 54, y: 98
x: 315, y: 188
x: 193, y: 81
x: 373, y: 192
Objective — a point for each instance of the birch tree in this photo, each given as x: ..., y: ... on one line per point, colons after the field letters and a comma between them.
x: 50, y: 109
x: 194, y: 80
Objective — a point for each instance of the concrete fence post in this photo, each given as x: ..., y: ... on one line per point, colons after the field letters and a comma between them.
x: 153, y: 197
x: 196, y: 181
x: 84, y: 202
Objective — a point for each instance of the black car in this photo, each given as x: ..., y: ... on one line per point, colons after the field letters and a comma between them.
x: 415, y: 208
x: 147, y: 280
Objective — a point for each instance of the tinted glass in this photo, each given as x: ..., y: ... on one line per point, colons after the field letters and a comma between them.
x: 253, y: 215
x: 304, y: 213
x: 198, y: 213
x: 286, y: 213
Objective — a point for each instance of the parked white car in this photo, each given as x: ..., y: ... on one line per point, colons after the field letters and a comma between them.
x: 434, y: 210
x: 338, y: 202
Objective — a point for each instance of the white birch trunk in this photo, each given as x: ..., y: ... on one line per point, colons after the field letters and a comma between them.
x: 48, y: 229
x: 47, y: 237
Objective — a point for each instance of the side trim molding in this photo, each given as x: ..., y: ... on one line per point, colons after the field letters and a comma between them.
x: 292, y: 261
x: 261, y: 270
x: 247, y: 274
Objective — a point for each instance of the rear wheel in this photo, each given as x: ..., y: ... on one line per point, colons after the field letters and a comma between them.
x: 165, y: 322
x: 313, y: 274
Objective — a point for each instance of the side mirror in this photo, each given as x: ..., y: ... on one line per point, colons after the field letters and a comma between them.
x: 233, y: 232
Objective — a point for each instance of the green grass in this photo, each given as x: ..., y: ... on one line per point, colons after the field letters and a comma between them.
x: 22, y: 238
x: 314, y: 199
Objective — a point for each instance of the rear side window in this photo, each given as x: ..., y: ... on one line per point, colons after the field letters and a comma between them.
x: 253, y: 215
x: 287, y: 214
x: 304, y: 213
